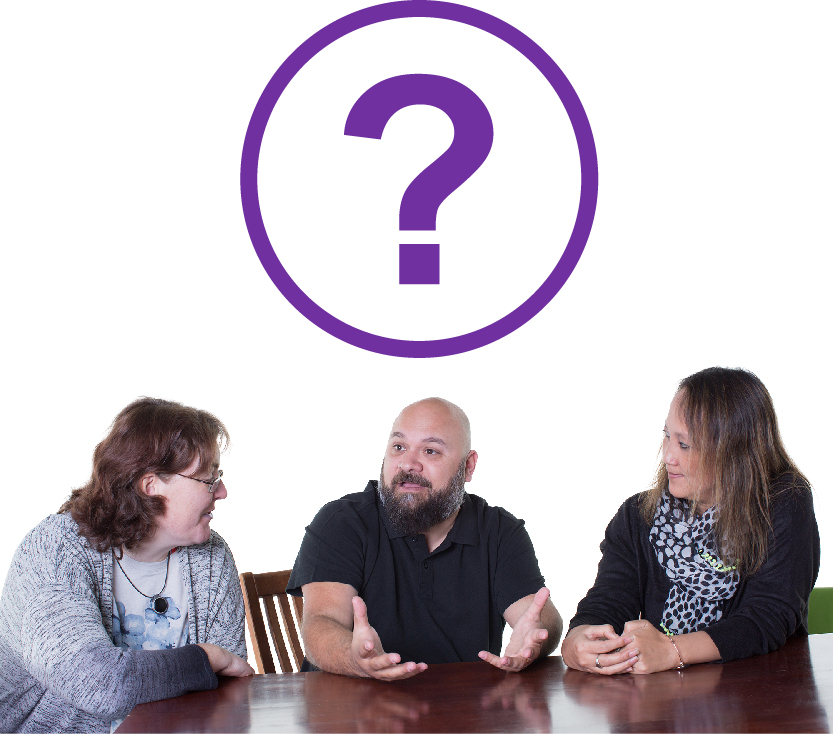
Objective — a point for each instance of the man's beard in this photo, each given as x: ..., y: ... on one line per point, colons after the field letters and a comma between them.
x: 413, y: 514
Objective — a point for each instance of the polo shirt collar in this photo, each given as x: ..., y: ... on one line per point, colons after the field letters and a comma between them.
x: 464, y: 530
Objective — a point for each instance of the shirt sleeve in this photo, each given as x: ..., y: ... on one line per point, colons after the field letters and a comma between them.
x: 772, y: 603
x: 334, y: 548
x: 517, y: 572
x: 616, y: 596
x: 64, y: 644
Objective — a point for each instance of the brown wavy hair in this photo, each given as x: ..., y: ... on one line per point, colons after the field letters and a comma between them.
x: 150, y: 436
x: 739, y: 456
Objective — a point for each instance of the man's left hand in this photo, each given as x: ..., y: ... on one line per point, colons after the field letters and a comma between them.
x: 528, y: 636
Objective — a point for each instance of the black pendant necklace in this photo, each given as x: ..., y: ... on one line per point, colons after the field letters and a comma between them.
x: 158, y: 602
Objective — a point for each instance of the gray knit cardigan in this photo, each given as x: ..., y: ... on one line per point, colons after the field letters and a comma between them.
x: 59, y: 667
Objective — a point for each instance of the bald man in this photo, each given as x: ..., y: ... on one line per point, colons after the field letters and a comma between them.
x: 414, y: 570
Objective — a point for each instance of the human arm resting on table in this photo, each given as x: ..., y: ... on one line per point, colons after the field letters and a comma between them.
x: 60, y: 639
x: 225, y: 662
x: 768, y: 605
x: 218, y: 600
x: 592, y: 644
x: 339, y: 639
x: 771, y: 604
x: 641, y: 648
x: 536, y: 629
x: 597, y: 648
x: 653, y: 650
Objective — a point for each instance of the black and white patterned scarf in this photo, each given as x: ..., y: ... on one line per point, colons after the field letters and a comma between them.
x: 686, y: 549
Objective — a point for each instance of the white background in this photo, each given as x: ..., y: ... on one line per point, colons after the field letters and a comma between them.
x: 128, y: 270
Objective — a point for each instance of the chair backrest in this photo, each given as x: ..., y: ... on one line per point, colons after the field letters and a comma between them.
x: 820, y: 613
x: 265, y: 588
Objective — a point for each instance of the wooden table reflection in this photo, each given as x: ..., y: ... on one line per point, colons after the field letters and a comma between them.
x: 788, y: 690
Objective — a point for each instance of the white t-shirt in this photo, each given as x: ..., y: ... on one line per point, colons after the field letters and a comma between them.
x: 136, y: 625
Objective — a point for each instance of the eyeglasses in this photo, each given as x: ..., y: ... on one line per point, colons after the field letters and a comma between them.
x: 212, y: 485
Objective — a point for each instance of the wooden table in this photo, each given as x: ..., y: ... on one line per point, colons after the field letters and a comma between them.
x: 788, y: 690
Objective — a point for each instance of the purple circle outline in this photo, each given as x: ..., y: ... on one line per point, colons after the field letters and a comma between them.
x: 443, y: 11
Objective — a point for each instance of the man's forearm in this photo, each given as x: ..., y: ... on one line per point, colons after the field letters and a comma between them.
x: 327, y: 645
x: 551, y: 622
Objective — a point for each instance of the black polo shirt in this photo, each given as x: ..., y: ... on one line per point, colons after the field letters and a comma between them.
x: 440, y: 607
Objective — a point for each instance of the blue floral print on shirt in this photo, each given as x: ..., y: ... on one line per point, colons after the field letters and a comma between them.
x: 153, y: 632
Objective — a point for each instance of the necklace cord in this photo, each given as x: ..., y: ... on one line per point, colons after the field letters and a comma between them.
x: 155, y: 596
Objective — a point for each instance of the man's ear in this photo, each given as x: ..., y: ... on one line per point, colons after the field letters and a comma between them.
x: 148, y: 484
x: 471, y: 462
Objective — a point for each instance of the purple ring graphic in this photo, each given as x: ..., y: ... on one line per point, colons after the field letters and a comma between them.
x: 443, y: 11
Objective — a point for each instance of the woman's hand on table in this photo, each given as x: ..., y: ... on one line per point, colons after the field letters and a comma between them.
x: 656, y: 651
x: 224, y: 662
x: 598, y: 649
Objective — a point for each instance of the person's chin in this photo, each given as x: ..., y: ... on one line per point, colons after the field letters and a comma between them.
x: 203, y: 531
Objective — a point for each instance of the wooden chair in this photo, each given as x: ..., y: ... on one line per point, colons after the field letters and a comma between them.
x: 267, y: 587
x: 820, y: 615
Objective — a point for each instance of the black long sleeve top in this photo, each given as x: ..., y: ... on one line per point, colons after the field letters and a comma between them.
x: 768, y: 606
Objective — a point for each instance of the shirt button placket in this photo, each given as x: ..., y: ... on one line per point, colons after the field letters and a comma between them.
x: 425, y: 584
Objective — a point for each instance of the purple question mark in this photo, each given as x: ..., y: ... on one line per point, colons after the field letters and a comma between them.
x: 473, y: 134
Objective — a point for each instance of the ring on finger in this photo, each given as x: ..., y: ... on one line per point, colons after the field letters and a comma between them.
x: 598, y: 664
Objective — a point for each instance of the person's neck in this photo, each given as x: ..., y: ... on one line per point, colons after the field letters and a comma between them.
x: 434, y: 536
x: 148, y: 552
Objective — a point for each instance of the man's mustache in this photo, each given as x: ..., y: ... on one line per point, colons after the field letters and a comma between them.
x: 403, y: 477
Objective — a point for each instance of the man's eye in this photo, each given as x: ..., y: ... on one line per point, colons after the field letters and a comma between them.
x: 430, y: 451
x: 397, y: 447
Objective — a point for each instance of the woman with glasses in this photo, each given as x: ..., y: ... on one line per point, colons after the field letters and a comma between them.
x: 126, y: 595
x: 717, y: 560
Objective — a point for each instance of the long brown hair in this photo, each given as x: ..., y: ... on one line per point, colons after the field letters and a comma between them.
x: 733, y: 429
x: 149, y: 436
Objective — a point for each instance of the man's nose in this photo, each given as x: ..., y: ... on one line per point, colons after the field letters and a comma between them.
x: 409, y: 461
x: 220, y: 493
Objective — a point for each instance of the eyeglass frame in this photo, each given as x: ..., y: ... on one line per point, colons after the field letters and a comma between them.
x: 212, y: 485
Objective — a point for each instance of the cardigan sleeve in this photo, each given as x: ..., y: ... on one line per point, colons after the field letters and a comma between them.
x: 219, y: 583
x: 772, y: 603
x: 616, y: 595
x: 63, y: 643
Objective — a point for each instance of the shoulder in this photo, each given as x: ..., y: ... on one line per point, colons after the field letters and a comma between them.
x: 54, y: 533
x: 214, y: 553
x: 210, y: 564
x: 628, y: 524
x: 54, y: 550
x: 490, y: 513
x: 791, y: 497
x: 214, y: 546
x: 630, y: 511
x: 480, y: 519
x: 358, y: 506
x: 790, y: 485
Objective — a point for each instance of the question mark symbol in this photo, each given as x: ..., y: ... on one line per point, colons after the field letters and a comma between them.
x: 473, y: 134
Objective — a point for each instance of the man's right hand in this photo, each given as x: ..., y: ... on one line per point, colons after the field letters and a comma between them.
x: 369, y: 659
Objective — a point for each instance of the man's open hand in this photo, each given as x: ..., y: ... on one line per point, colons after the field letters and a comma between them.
x: 369, y: 659
x: 528, y: 637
